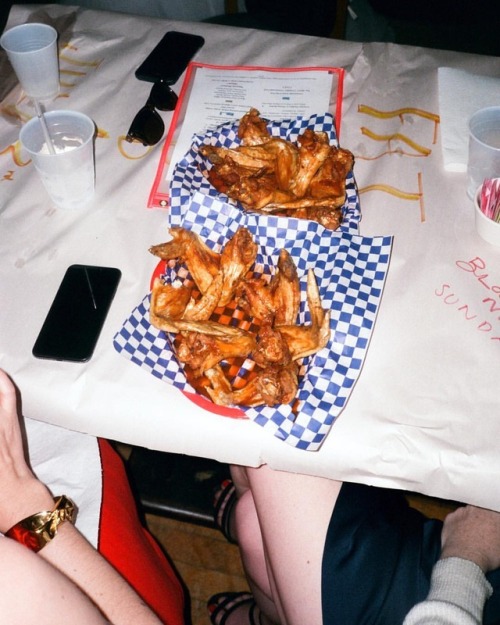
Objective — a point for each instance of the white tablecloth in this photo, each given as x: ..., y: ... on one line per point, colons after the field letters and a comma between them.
x: 424, y: 413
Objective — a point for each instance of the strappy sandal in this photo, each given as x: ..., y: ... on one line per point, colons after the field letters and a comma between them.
x: 223, y: 509
x: 222, y: 605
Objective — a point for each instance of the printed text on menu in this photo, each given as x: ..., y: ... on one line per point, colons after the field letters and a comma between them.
x: 219, y: 96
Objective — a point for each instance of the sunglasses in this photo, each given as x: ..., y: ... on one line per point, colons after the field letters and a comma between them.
x: 148, y: 127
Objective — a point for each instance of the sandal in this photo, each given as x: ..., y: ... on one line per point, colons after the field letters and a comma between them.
x: 223, y: 509
x: 222, y: 605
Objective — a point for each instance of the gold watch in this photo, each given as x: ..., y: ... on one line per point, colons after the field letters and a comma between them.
x: 37, y: 530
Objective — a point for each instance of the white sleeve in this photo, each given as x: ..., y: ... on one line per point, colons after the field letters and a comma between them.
x: 457, y: 595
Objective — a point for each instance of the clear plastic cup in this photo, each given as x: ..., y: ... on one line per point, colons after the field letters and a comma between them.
x: 32, y: 51
x: 69, y: 173
x: 484, y: 148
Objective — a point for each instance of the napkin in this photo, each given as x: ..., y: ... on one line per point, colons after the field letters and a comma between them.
x: 461, y: 94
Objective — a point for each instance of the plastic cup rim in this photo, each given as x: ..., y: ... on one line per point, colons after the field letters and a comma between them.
x: 46, y: 27
x: 54, y: 114
x: 473, y: 135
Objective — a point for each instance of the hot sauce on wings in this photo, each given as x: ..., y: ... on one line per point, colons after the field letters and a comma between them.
x: 272, y: 175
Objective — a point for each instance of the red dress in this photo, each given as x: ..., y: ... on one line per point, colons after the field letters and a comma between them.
x: 130, y: 548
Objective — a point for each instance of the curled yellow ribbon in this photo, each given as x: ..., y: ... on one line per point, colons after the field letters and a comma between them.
x: 404, y: 195
x: 397, y: 136
x: 407, y: 110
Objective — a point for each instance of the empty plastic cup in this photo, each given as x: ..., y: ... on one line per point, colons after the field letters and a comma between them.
x: 32, y: 51
x: 484, y: 148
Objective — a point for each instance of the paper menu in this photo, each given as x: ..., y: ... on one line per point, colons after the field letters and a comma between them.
x: 212, y: 95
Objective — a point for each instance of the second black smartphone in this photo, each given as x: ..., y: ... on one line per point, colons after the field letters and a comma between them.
x: 170, y: 57
x: 77, y: 314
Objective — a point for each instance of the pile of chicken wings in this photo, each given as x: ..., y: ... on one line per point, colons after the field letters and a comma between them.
x: 267, y: 334
x: 272, y: 175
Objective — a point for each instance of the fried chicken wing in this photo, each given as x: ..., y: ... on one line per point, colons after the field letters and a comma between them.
x: 329, y: 181
x: 285, y: 287
x: 271, y: 386
x: 202, y: 309
x: 278, y: 385
x: 278, y: 156
x: 204, y: 351
x: 272, y: 175
x: 304, y: 341
x: 287, y: 162
x: 236, y: 259
x: 313, y: 151
x: 271, y: 348
x: 301, y: 203
x: 253, y: 158
x: 253, y: 129
x: 169, y: 299
x: 227, y: 175
x: 255, y: 297
x: 186, y: 246
x: 277, y: 301
x: 277, y: 159
x: 256, y: 192
x: 220, y: 389
x: 213, y: 328
x: 328, y: 217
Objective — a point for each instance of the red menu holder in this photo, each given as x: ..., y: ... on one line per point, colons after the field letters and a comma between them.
x: 159, y: 195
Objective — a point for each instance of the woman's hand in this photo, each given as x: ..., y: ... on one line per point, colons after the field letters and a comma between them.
x: 21, y: 493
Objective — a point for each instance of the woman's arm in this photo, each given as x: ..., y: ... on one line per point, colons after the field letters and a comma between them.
x: 68, y: 557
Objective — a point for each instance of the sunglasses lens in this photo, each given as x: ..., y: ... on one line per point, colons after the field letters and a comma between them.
x: 147, y: 127
x: 162, y: 97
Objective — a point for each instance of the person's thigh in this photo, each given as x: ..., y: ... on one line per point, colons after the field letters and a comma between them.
x: 294, y: 513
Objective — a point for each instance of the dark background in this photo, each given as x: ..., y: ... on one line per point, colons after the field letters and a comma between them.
x: 447, y: 24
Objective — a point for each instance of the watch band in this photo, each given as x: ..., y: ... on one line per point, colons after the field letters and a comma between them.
x: 36, y: 530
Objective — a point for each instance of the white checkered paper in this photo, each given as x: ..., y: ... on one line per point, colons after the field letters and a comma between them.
x: 350, y: 271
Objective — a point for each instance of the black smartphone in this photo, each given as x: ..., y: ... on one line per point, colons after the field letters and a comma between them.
x: 77, y: 314
x: 169, y: 58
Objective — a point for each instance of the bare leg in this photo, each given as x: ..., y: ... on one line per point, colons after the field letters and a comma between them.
x: 281, y: 522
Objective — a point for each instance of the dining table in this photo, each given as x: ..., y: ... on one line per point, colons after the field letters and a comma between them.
x: 421, y: 413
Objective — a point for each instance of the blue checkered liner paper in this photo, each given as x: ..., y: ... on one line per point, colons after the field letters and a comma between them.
x: 350, y: 271
x: 188, y: 178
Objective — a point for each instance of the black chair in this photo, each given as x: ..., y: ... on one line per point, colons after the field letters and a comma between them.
x: 174, y: 485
